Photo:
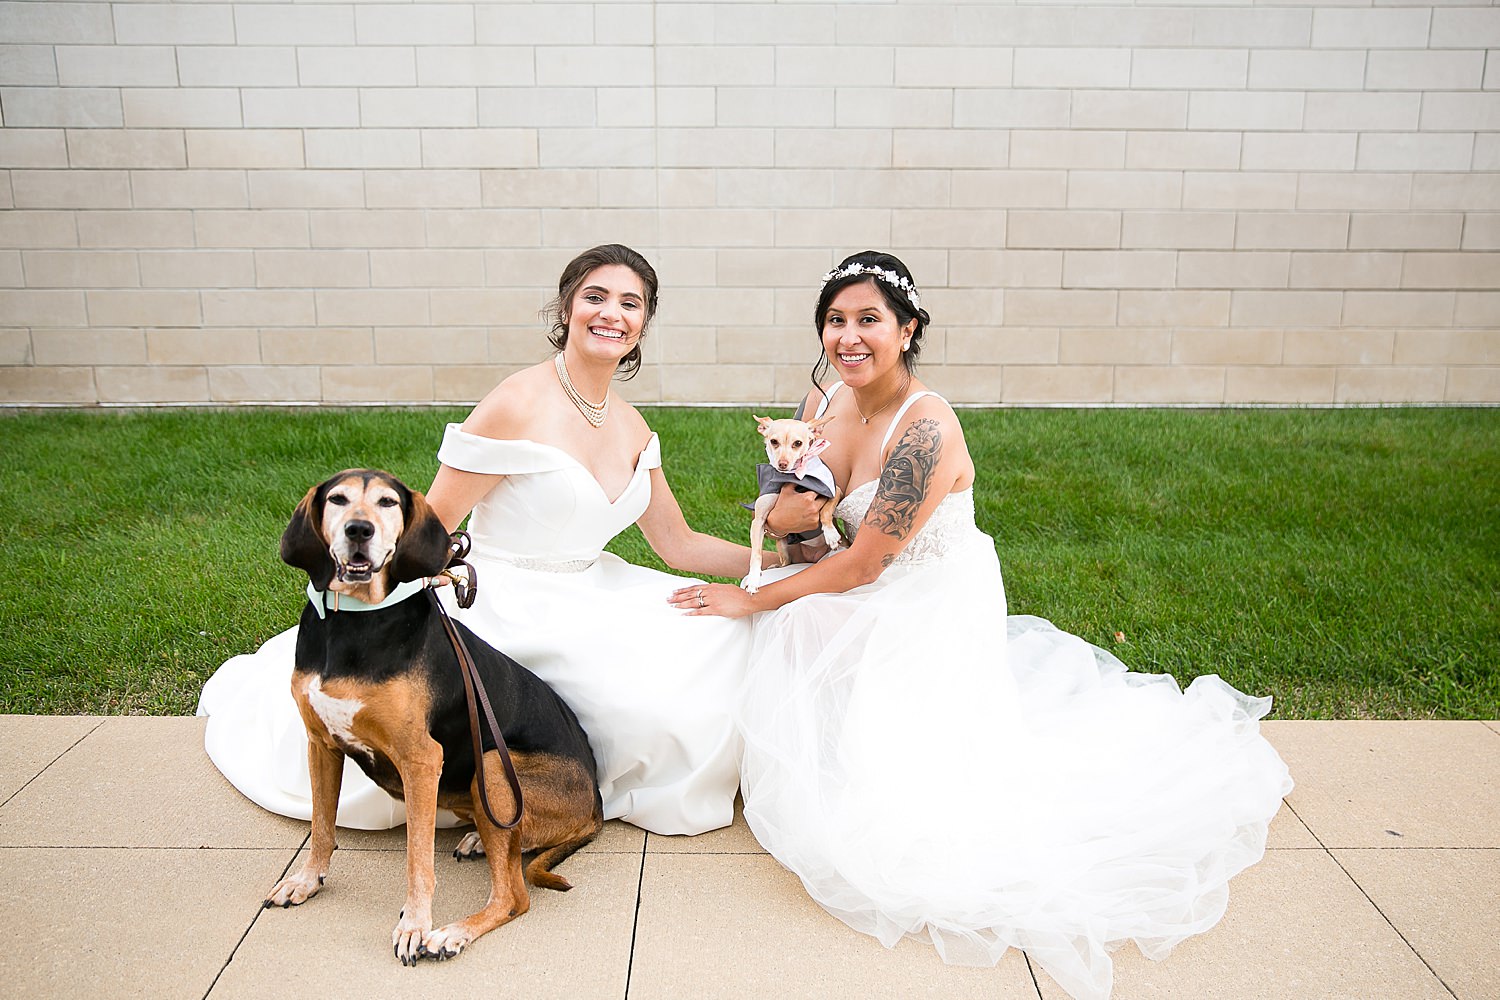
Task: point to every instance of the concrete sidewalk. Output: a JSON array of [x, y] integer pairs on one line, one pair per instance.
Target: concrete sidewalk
[[133, 869]]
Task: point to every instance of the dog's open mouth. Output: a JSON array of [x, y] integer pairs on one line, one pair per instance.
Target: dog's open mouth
[[357, 570]]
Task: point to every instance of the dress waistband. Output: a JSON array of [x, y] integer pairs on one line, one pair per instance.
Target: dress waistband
[[546, 565]]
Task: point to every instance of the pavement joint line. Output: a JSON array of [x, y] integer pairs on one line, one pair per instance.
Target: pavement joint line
[[1034, 984], [635, 920], [251, 926], [49, 764], [1355, 882]]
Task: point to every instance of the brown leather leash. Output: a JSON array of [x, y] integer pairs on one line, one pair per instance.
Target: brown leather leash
[[474, 692]]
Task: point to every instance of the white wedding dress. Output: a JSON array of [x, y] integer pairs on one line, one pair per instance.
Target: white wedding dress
[[653, 688], [930, 767]]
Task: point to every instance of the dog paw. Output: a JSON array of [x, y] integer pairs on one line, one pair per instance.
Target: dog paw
[[294, 890], [406, 939], [445, 942], [469, 847]]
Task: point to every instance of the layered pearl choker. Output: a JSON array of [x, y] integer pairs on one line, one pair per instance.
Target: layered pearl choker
[[594, 413]]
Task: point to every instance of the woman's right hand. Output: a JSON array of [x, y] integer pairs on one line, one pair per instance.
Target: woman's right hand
[[795, 510]]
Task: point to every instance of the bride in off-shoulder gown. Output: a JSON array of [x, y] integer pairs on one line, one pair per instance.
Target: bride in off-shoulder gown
[[652, 688]]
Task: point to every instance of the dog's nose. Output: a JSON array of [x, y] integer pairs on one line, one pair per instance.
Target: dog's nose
[[359, 531]]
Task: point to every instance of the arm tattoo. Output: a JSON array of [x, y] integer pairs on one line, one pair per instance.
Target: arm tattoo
[[905, 478]]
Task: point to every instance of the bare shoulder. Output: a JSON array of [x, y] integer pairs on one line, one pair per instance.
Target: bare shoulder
[[929, 418], [627, 414], [509, 410], [930, 436], [633, 424], [936, 410]]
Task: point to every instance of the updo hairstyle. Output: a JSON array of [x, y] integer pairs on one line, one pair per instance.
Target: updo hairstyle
[[573, 276]]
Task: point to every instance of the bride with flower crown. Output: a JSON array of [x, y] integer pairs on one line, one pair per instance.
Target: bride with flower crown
[[928, 766]]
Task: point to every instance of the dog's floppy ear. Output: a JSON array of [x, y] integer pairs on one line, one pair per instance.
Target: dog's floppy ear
[[761, 423], [821, 422], [303, 544], [422, 549]]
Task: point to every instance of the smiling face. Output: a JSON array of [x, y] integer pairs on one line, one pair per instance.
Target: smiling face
[[607, 312], [862, 336]]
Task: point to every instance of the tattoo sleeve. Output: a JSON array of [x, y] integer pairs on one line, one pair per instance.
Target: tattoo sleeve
[[905, 479]]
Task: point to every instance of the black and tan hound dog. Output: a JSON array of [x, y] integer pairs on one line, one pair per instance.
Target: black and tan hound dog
[[381, 684]]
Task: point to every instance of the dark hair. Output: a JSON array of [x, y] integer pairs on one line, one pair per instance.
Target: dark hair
[[894, 297], [572, 279]]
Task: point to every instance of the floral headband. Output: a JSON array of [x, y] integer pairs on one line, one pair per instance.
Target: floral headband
[[896, 281]]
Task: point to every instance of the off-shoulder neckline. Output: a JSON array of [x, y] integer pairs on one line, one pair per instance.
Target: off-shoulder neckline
[[635, 473]]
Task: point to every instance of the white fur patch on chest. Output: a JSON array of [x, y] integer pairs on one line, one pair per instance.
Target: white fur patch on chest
[[337, 714]]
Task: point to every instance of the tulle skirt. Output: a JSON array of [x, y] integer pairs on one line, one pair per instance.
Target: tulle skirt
[[929, 767]]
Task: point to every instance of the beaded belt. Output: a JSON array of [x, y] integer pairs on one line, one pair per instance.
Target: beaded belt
[[547, 565]]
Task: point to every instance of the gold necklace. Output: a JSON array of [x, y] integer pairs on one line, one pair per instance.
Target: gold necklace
[[594, 413], [898, 394]]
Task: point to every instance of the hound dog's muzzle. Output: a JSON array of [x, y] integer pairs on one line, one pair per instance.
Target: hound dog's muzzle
[[362, 522]]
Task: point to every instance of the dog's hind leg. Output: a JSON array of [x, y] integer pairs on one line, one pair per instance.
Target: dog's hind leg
[[825, 519], [563, 814], [325, 768], [470, 846], [763, 505]]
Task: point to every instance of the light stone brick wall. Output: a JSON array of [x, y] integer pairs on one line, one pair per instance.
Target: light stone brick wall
[[1104, 203]]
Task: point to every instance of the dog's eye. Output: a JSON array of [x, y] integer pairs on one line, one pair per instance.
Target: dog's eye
[[776, 442], [386, 502], [796, 444], [339, 500]]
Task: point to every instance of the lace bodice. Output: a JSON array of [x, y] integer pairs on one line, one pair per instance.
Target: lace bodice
[[950, 528]]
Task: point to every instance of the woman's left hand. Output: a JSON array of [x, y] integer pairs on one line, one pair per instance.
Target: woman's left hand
[[714, 599]]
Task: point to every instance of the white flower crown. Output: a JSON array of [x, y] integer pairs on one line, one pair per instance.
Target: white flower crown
[[896, 281]]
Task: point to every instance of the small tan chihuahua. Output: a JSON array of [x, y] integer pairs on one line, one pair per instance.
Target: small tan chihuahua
[[792, 449]]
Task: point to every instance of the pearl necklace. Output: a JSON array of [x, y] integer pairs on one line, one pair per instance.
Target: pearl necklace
[[594, 413], [883, 406]]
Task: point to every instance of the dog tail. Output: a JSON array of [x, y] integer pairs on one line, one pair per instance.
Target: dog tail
[[539, 872]]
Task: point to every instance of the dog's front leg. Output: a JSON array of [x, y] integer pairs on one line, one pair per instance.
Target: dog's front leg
[[420, 767], [502, 849], [325, 769], [763, 505]]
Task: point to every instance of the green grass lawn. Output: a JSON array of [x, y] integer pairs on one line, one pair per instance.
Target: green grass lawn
[[1345, 561]]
